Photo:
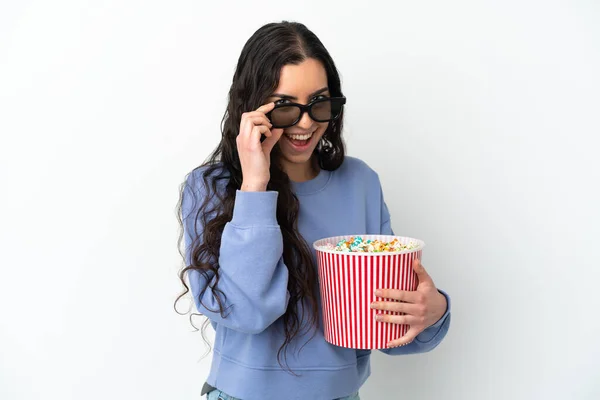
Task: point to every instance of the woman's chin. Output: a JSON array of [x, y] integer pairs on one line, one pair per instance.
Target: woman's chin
[[297, 159]]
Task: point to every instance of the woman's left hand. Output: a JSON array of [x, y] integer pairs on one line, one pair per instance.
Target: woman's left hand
[[422, 308]]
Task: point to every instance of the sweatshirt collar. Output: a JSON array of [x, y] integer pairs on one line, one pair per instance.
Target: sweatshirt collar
[[314, 185]]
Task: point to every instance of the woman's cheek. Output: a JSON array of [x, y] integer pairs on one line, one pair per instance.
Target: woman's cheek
[[322, 128]]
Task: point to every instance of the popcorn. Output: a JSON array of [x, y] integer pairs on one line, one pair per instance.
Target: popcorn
[[357, 244]]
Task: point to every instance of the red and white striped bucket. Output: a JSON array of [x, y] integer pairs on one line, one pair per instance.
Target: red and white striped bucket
[[347, 283]]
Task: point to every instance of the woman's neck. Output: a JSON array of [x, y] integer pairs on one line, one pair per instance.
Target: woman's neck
[[301, 172]]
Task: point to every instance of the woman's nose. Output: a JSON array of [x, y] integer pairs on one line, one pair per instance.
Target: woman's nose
[[305, 122]]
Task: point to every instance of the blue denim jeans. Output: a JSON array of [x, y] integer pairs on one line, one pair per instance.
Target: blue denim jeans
[[218, 395]]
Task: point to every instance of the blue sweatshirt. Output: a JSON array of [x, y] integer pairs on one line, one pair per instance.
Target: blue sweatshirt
[[254, 278]]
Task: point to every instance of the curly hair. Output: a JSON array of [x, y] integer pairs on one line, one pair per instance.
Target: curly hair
[[256, 77]]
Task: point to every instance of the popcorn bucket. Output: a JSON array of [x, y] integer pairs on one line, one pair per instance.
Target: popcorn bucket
[[347, 282]]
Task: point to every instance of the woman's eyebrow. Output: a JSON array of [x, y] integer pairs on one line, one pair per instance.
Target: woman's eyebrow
[[286, 96]]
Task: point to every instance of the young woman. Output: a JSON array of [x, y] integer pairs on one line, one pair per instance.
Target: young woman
[[279, 180]]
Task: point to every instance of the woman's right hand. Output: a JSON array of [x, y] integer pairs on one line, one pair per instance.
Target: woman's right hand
[[255, 157]]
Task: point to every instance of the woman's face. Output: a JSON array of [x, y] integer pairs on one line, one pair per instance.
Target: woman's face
[[301, 83]]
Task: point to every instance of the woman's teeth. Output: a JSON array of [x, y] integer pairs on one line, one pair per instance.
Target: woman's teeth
[[300, 137]]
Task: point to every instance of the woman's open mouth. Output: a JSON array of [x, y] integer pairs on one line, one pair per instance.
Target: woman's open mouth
[[299, 142]]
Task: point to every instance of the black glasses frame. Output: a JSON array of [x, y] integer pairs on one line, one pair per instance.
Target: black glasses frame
[[308, 108]]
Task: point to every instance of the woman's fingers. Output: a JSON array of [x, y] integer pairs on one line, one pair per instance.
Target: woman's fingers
[[395, 306], [401, 295], [414, 313], [253, 119], [406, 339], [270, 141], [257, 118], [261, 119], [265, 108], [398, 319], [246, 126], [254, 159], [257, 131]]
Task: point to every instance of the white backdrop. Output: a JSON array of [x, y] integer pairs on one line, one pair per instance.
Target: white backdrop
[[481, 117]]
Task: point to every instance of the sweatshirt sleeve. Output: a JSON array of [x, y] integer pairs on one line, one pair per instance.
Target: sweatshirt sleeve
[[431, 337], [252, 275]]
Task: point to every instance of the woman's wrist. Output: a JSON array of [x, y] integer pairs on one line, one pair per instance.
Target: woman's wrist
[[253, 187]]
